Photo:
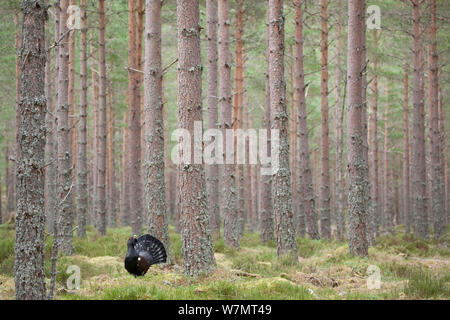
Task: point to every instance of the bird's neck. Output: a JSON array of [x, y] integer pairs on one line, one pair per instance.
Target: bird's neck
[[131, 251]]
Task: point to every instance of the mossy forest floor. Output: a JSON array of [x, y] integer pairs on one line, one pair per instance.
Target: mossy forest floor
[[409, 268]]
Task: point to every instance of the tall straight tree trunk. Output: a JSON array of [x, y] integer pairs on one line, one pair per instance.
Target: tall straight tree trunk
[[82, 191], [155, 190], [444, 152], [65, 186], [437, 186], [50, 147], [124, 185], [249, 173], [237, 109], [134, 125], [325, 224], [212, 170], [418, 147], [13, 172], [281, 185], [339, 136], [29, 277], [299, 217], [101, 166], [406, 165], [111, 173], [197, 250], [230, 215], [373, 149], [95, 154], [358, 244], [369, 215], [306, 189], [265, 210], [387, 202], [71, 100]]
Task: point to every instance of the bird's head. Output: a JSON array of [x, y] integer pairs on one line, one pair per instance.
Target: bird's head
[[132, 241]]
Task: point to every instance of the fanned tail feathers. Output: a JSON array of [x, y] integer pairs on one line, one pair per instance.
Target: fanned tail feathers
[[153, 247]]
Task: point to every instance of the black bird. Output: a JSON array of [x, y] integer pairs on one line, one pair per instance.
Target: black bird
[[142, 253]]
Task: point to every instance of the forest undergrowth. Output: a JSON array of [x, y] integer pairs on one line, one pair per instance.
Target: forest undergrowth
[[409, 268]]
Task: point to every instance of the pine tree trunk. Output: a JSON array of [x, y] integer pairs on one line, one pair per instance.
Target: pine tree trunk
[[325, 225], [406, 165], [71, 102], [364, 62], [212, 170], [50, 147], [65, 186], [124, 185], [111, 173], [237, 110], [229, 185], [266, 210], [12, 201], [134, 125], [155, 190], [438, 212], [339, 136], [356, 198], [373, 150], [418, 147], [387, 202], [95, 98], [299, 219], [197, 250], [444, 152], [101, 165], [249, 172], [306, 189], [281, 185], [82, 191], [29, 276]]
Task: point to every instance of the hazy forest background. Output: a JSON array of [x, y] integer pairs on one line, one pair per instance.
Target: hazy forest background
[[231, 233]]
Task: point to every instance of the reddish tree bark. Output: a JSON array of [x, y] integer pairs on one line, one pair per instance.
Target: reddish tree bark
[[418, 147], [438, 212]]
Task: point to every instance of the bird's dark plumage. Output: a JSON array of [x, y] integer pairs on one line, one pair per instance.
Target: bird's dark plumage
[[142, 253]]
